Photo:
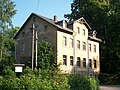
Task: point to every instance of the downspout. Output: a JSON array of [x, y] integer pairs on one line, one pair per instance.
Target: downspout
[[74, 65], [88, 68]]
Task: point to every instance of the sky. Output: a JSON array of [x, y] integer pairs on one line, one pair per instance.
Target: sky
[[47, 8]]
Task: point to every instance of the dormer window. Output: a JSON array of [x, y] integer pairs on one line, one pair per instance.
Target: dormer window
[[94, 33]]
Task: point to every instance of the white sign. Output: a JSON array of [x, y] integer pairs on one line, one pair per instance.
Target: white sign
[[18, 69]]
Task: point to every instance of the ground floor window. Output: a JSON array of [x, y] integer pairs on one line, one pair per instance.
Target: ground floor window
[[95, 64], [71, 60], [90, 63], [64, 59], [78, 62], [84, 62]]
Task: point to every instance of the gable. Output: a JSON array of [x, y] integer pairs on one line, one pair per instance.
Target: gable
[[83, 21]]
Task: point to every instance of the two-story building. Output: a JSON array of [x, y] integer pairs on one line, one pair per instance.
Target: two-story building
[[75, 43]]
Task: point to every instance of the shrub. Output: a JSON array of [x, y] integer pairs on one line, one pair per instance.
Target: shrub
[[40, 79], [78, 82]]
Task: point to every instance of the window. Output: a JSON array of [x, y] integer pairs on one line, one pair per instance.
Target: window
[[22, 47], [64, 41], [71, 42], [83, 32], [90, 63], [78, 44], [23, 34], [95, 65], [94, 48], [78, 62], [89, 47], [71, 60], [84, 62], [84, 46], [64, 60], [78, 29], [46, 27]]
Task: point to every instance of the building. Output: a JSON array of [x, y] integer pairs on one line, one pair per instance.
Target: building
[[75, 43]]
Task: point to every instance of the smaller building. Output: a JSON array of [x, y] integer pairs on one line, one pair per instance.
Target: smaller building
[[75, 43]]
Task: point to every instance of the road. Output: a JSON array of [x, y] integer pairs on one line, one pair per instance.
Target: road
[[110, 87]]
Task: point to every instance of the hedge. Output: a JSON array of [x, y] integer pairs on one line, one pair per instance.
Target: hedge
[[46, 80]]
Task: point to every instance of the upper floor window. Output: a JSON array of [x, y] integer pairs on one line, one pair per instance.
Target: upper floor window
[[84, 46], [78, 62], [22, 47], [71, 60], [78, 44], [64, 41], [78, 30], [94, 48], [64, 60], [83, 32], [89, 47], [95, 64], [71, 42], [84, 62], [23, 34], [46, 27]]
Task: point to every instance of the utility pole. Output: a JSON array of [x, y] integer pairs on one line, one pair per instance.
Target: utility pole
[[36, 44], [33, 33]]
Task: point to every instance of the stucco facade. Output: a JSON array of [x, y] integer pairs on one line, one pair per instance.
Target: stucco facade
[[77, 50]]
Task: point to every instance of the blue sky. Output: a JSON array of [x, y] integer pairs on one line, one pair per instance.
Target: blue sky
[[47, 8]]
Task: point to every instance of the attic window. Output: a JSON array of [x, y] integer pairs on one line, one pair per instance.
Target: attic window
[[34, 19], [78, 29], [94, 33], [23, 34], [83, 32], [45, 27]]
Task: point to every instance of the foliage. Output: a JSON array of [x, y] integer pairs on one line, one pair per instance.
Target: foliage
[[7, 12], [8, 49], [46, 56], [40, 79], [78, 82], [7, 44]]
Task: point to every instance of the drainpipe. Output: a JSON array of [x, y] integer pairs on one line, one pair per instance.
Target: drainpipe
[[74, 65], [88, 71]]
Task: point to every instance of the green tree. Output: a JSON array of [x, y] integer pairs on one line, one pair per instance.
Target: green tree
[[8, 48], [7, 12], [46, 56]]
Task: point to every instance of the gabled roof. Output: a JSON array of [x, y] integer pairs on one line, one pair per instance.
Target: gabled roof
[[82, 20], [46, 19]]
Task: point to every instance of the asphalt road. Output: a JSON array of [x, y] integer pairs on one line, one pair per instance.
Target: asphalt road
[[110, 87]]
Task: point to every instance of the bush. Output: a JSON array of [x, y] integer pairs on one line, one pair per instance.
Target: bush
[[78, 82], [40, 79]]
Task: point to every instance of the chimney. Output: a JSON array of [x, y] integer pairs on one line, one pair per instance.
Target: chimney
[[55, 18]]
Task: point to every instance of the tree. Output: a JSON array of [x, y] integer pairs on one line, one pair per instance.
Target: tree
[[103, 16], [9, 48], [7, 12], [46, 56]]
